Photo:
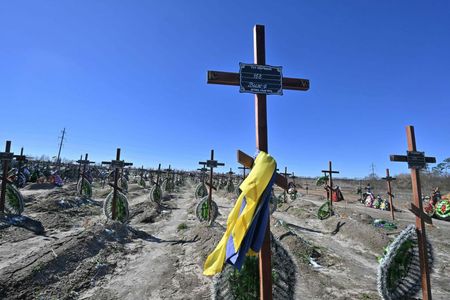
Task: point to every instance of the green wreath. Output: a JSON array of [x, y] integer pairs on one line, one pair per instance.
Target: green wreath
[[443, 209], [14, 203], [324, 211], [399, 274], [122, 212], [156, 193], [84, 188]]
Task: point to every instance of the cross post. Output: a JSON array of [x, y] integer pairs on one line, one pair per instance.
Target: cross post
[[416, 161], [227, 78], [117, 165], [388, 179], [6, 158], [211, 164]]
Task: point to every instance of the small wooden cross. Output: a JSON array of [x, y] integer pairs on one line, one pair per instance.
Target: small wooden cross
[[158, 172], [141, 172], [230, 174], [202, 173], [211, 164], [227, 78], [388, 179], [21, 159], [417, 161], [243, 170], [286, 175], [117, 165], [83, 162], [79, 167], [330, 181], [6, 157], [293, 177]]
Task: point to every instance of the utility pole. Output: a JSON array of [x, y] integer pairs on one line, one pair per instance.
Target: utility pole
[[372, 175], [60, 146]]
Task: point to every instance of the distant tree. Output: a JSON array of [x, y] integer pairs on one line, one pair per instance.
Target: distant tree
[[44, 157], [442, 167]]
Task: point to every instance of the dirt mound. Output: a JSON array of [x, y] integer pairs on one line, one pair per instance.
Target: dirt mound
[[70, 265]]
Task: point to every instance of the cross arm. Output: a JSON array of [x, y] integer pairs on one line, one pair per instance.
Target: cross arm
[[211, 186], [85, 162], [247, 161], [327, 171], [420, 214], [231, 78]]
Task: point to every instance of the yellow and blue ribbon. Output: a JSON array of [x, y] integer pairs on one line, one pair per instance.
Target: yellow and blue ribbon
[[247, 221]]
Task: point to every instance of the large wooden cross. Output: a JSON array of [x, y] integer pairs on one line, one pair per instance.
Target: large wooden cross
[[211, 164], [117, 165], [417, 161], [330, 182], [388, 179], [227, 78]]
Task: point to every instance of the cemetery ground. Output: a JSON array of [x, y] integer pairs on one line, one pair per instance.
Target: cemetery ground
[[66, 249]]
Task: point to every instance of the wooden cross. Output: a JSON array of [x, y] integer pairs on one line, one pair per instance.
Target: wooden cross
[[202, 173], [6, 157], [293, 177], [286, 175], [79, 167], [83, 162], [141, 172], [158, 172], [330, 181], [417, 161], [170, 172], [230, 174], [117, 165], [228, 78], [20, 159], [243, 170], [211, 164], [388, 179]]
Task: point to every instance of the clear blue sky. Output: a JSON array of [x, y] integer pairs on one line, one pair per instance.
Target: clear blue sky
[[132, 74]]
